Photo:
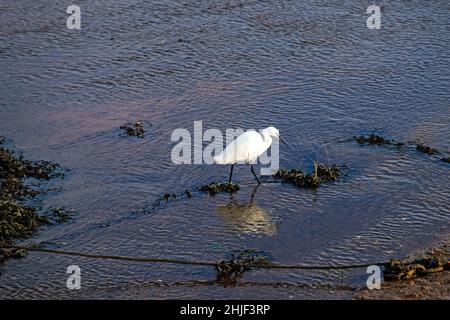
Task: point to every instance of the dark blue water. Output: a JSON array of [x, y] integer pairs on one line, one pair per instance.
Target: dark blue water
[[310, 68]]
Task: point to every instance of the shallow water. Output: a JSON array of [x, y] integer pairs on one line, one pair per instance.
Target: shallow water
[[311, 68]]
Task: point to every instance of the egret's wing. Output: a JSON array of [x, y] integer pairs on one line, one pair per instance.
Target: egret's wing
[[242, 149]]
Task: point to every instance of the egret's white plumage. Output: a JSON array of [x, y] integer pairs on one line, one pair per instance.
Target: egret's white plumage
[[247, 148]]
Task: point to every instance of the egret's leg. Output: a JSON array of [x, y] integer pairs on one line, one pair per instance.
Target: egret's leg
[[253, 171], [253, 194], [231, 172]]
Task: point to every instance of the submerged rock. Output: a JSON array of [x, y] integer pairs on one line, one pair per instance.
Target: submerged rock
[[446, 159], [216, 187]]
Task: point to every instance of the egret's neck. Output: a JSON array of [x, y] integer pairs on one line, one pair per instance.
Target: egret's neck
[[267, 138]]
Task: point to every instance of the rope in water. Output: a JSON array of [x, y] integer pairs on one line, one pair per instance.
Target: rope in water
[[187, 262]]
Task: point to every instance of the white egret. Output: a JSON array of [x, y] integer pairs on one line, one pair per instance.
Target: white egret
[[247, 148]]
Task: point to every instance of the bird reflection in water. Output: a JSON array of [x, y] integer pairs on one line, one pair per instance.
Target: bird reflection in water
[[248, 218]]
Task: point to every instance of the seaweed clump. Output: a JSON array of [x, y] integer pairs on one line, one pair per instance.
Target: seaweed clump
[[228, 271], [216, 187], [426, 149], [167, 196], [133, 129], [61, 215], [377, 140], [9, 253], [19, 218], [322, 173], [397, 270]]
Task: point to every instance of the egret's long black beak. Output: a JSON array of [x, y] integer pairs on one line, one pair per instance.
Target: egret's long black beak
[[281, 139]]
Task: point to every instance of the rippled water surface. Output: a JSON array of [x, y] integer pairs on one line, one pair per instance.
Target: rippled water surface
[[310, 68]]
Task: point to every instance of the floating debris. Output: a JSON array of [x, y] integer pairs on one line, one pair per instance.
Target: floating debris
[[216, 187], [228, 271], [376, 139], [426, 149], [397, 270], [19, 218], [322, 173], [133, 129]]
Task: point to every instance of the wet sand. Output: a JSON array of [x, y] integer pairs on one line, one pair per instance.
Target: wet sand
[[435, 286]]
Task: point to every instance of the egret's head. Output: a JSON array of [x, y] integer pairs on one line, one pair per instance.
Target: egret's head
[[274, 133]]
